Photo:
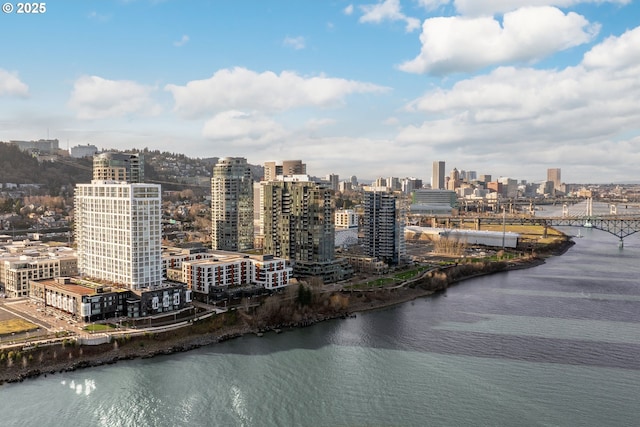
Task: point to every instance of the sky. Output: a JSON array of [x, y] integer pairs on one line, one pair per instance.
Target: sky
[[371, 88]]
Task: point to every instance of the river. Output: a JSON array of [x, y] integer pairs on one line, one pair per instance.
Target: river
[[554, 345]]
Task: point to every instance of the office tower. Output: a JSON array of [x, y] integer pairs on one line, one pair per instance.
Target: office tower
[[454, 180], [232, 205], [509, 186], [354, 181], [553, 175], [299, 225], [409, 185], [288, 167], [383, 227], [437, 176], [334, 181], [118, 167], [485, 178], [118, 233]]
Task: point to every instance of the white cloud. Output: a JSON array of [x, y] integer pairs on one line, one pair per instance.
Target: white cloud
[[491, 7], [242, 89], [348, 10], [183, 40], [458, 44], [388, 10], [433, 4], [615, 52], [316, 124], [296, 43], [94, 98], [574, 112], [10, 85], [242, 128]]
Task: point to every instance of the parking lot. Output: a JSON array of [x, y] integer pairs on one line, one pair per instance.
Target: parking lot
[[47, 322]]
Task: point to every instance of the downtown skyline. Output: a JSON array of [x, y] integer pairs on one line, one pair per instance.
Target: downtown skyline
[[353, 88]]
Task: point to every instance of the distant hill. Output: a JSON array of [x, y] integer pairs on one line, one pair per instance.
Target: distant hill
[[22, 168], [174, 171]]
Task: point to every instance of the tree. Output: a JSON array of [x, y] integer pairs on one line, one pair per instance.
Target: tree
[[304, 295]]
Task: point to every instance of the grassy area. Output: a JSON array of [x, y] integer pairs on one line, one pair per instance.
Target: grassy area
[[383, 281], [16, 326], [406, 275], [98, 327]]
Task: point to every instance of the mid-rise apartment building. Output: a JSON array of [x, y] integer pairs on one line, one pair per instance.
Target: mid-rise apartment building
[[228, 270], [26, 260], [346, 218], [15, 273]]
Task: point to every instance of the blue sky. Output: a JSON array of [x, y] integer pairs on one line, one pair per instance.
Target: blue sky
[[502, 87]]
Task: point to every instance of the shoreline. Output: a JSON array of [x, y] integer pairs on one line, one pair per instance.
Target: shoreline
[[44, 361]]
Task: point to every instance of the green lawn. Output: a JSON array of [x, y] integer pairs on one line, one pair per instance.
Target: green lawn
[[406, 275], [98, 327], [383, 281]]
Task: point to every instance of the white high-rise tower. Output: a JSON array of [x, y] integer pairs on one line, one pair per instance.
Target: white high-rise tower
[[118, 232]]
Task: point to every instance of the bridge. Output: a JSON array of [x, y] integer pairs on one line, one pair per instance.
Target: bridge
[[605, 218]]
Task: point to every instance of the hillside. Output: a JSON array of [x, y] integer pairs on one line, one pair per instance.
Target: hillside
[[174, 171], [21, 168]]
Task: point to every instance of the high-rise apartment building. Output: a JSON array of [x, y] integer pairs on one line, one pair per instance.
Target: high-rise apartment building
[[380, 182], [288, 167], [299, 221], [383, 227], [126, 167], [232, 205], [299, 226], [118, 233], [437, 176]]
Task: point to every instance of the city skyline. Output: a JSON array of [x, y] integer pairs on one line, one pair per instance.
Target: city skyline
[[353, 88]]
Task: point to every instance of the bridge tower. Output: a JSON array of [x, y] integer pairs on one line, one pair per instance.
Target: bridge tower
[[613, 209], [565, 210]]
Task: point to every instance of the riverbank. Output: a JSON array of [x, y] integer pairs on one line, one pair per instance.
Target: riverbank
[[273, 315]]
